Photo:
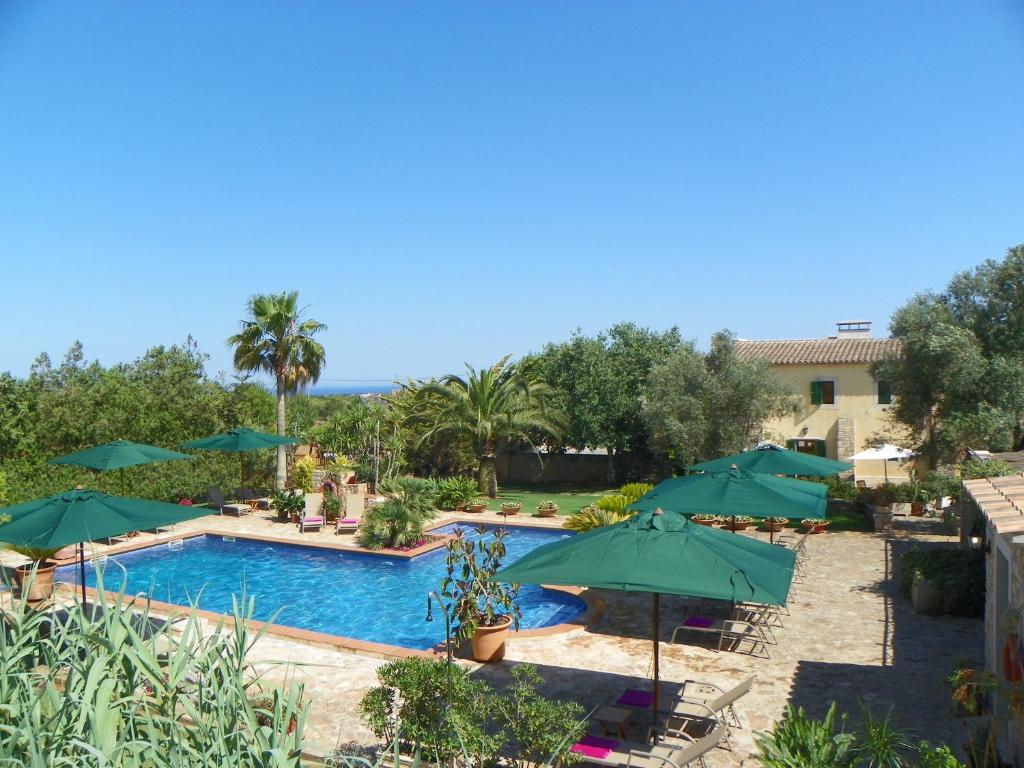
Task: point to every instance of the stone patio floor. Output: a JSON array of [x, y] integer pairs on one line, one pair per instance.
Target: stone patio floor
[[850, 637]]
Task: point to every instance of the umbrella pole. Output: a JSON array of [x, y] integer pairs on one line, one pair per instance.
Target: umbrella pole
[[81, 569], [734, 523], [656, 620]]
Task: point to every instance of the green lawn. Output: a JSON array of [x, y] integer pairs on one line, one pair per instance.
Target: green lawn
[[569, 498], [848, 520]]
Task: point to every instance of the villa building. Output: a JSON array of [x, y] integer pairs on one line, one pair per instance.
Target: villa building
[[840, 404]]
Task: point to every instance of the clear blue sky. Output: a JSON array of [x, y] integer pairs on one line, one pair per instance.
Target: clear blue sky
[[452, 182]]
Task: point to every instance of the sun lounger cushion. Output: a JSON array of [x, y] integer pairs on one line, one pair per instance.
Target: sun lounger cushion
[[632, 697], [348, 521], [594, 746], [702, 622], [312, 520]]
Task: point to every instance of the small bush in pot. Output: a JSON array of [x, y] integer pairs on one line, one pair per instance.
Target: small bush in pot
[[477, 505], [814, 524], [455, 492], [708, 520], [547, 509], [510, 507], [480, 605], [288, 504], [739, 521]]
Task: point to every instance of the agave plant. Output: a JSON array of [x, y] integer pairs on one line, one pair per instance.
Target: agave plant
[[802, 742], [591, 517]]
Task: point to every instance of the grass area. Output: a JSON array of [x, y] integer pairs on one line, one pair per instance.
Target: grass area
[[848, 520], [569, 498]]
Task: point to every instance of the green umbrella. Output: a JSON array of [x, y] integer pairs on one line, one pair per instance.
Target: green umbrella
[[662, 552], [736, 492], [74, 517], [239, 440], [118, 455], [776, 461]]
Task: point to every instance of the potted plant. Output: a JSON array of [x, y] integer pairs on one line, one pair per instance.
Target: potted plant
[[331, 508], [510, 507], [35, 578], [739, 522], [814, 525], [547, 509], [970, 688], [707, 520], [775, 524], [477, 505], [483, 608], [288, 505]]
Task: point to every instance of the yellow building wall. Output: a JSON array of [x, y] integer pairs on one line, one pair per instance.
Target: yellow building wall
[[856, 398]]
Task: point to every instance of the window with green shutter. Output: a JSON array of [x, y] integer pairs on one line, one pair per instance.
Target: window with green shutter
[[884, 393], [815, 393], [823, 393]]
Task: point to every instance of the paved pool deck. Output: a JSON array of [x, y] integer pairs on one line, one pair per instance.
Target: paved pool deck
[[850, 637]]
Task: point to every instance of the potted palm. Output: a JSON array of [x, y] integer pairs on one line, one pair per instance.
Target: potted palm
[[510, 507], [484, 609], [35, 578], [547, 509]]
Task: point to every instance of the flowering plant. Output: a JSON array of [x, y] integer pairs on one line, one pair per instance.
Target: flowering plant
[[185, 502]]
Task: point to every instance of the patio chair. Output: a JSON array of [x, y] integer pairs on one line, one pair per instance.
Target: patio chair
[[351, 512], [666, 754], [314, 523], [216, 499], [732, 633], [699, 702]]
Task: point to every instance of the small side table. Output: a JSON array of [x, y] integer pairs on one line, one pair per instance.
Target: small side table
[[613, 719]]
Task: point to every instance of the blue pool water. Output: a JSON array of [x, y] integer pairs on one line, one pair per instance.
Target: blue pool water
[[367, 597]]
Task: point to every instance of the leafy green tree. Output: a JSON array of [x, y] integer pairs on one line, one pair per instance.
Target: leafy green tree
[[936, 378], [278, 340], [702, 406], [600, 382], [498, 403]]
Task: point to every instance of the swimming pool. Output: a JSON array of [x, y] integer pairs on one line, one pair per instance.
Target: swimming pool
[[352, 594]]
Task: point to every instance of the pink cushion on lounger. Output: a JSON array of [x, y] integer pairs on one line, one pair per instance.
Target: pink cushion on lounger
[[698, 621], [594, 746], [633, 697], [348, 521], [312, 519]]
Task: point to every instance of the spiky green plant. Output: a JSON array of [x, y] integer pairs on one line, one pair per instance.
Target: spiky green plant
[[635, 490], [615, 502], [389, 526], [800, 741], [118, 688], [881, 744], [591, 517]]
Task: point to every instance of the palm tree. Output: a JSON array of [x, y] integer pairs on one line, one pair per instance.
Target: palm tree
[[278, 340], [491, 404]]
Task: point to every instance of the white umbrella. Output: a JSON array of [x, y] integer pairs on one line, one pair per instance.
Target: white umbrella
[[885, 452]]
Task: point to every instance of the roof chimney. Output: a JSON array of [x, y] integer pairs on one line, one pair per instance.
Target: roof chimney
[[853, 329]]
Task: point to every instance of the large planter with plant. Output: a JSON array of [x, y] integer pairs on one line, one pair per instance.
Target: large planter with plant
[[775, 524], [547, 509], [706, 520], [814, 525], [483, 609], [476, 506], [35, 579], [737, 523], [510, 507]]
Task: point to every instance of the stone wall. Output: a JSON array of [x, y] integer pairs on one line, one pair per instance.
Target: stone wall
[[846, 439]]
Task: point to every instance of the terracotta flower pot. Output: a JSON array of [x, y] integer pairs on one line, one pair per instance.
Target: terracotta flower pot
[[489, 642], [41, 587], [509, 510], [708, 523], [476, 508], [917, 508], [546, 511], [773, 526], [728, 526], [816, 527]]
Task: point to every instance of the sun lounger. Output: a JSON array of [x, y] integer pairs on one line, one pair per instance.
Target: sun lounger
[[732, 633], [216, 499], [346, 525], [700, 703], [667, 754], [310, 524]]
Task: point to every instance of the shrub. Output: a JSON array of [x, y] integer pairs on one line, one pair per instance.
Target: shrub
[[476, 599], [635, 490], [302, 473], [331, 507], [802, 742], [90, 689], [929, 756], [415, 493], [591, 517], [974, 469], [454, 492], [547, 506], [390, 525], [614, 503], [938, 484], [959, 574]]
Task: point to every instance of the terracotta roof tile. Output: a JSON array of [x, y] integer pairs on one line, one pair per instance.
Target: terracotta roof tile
[[816, 351]]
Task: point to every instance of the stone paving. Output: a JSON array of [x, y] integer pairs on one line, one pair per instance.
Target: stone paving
[[850, 637]]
